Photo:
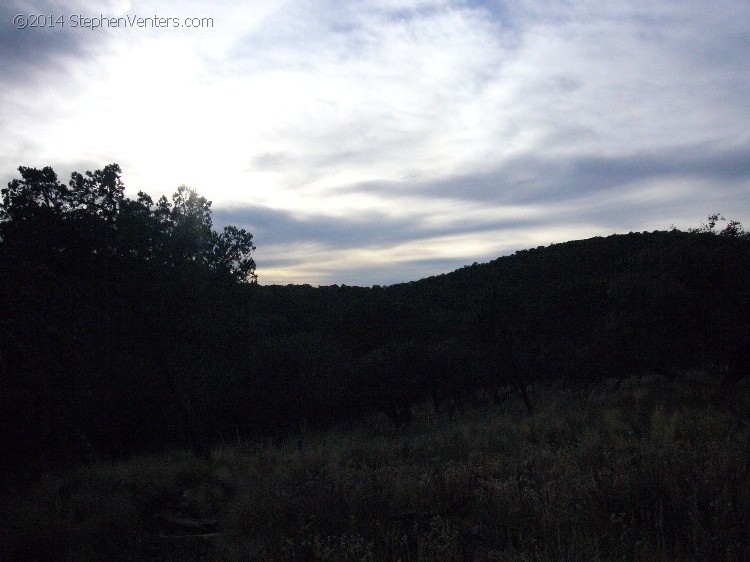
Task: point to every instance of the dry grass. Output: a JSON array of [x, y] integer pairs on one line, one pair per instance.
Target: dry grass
[[656, 470]]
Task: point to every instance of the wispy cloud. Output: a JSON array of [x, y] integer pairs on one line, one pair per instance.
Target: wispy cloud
[[380, 141]]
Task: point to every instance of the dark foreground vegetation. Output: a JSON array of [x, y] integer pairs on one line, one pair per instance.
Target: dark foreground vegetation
[[657, 469], [131, 327]]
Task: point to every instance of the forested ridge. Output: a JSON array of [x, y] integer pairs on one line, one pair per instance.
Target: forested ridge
[[131, 326]]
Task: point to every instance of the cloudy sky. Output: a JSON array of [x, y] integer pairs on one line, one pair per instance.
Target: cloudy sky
[[375, 142]]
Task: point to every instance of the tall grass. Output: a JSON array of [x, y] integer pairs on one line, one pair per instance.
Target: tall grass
[[655, 470]]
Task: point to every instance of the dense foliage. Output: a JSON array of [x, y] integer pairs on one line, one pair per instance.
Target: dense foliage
[[116, 315], [131, 325], [583, 311]]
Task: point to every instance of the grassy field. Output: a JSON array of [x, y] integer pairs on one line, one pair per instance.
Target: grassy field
[[653, 470]]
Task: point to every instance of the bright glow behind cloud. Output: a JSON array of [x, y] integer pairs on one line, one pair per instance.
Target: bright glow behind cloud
[[309, 122]]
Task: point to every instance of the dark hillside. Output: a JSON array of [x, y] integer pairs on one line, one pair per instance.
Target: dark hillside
[[131, 326], [662, 302], [667, 299]]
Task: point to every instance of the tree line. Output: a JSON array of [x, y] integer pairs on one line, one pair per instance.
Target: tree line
[[580, 312], [116, 315], [131, 325]]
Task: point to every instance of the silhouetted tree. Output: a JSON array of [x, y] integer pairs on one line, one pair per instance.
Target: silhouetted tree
[[100, 290], [733, 228]]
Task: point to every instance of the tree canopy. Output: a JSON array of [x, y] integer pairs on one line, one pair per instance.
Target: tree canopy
[[92, 215], [733, 228], [115, 313]]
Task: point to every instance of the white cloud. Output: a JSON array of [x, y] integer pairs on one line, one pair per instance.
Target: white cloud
[[411, 110]]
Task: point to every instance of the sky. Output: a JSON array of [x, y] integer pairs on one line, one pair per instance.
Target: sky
[[377, 142]]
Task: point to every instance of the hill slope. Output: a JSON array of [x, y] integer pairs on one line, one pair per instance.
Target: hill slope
[[668, 302], [114, 368]]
